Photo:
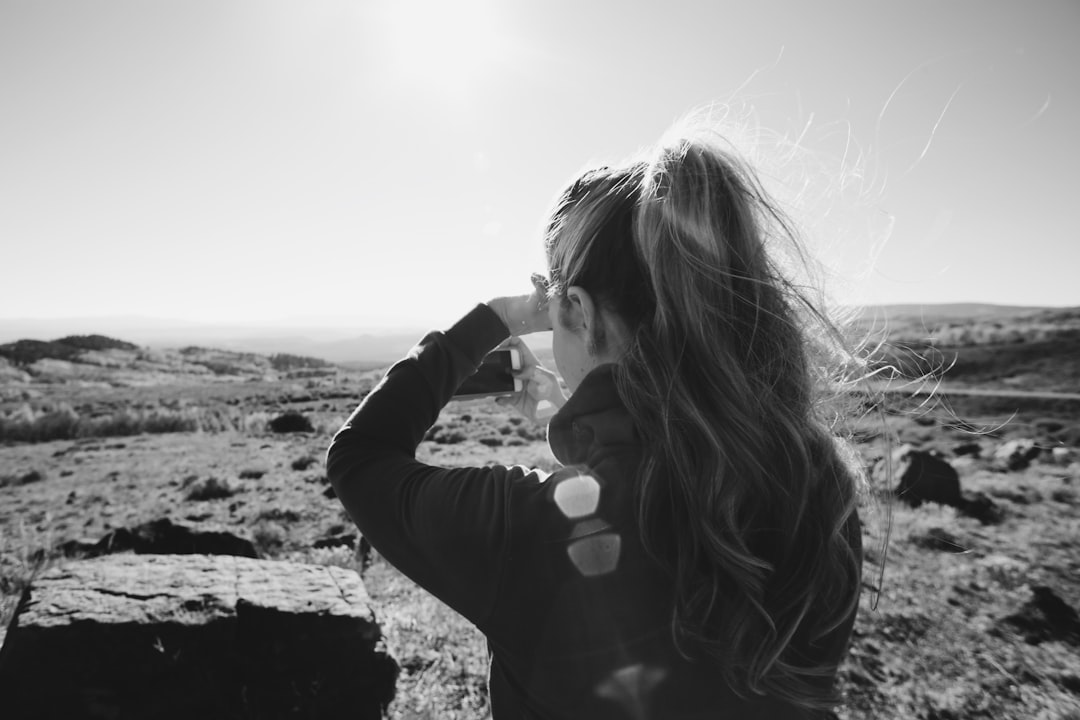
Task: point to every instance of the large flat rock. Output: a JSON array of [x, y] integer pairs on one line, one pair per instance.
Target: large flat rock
[[170, 636]]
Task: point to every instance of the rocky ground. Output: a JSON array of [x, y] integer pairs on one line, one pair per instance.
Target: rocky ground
[[965, 614]]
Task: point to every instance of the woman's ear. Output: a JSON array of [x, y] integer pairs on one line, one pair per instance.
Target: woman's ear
[[581, 312], [584, 315]]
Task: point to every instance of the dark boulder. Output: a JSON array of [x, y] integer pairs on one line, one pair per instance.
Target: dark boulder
[[345, 539], [922, 477], [927, 477], [1046, 617], [973, 449], [164, 537], [1016, 454], [303, 463], [978, 505], [195, 636]]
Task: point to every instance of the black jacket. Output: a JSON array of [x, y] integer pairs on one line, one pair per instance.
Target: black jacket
[[550, 569]]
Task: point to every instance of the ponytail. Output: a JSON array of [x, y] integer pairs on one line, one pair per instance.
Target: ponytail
[[742, 496]]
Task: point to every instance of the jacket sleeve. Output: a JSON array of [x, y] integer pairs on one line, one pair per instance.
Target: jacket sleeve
[[445, 528]]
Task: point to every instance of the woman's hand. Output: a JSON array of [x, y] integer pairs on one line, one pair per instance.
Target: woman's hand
[[524, 314], [540, 395]]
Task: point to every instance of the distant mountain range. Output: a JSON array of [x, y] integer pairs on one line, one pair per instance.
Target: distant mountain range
[[316, 340], [949, 311], [382, 346]]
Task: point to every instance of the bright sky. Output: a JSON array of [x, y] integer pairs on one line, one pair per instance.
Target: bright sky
[[376, 163]]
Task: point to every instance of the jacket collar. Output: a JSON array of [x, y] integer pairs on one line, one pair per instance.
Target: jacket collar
[[594, 418]]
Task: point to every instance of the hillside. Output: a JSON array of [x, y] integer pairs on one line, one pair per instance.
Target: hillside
[[24, 352], [1035, 350], [101, 361]]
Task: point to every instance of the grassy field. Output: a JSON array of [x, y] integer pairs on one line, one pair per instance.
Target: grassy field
[[949, 636]]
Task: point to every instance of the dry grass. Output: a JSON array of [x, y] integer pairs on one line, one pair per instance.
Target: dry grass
[[25, 551]]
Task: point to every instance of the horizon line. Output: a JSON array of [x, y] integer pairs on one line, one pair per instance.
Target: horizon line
[[289, 321]]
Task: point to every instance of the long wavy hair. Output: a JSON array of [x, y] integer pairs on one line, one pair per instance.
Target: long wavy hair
[[745, 495]]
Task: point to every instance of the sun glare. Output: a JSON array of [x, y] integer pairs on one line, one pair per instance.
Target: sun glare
[[442, 45]]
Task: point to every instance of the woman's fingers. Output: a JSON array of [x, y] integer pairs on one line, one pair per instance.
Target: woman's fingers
[[539, 283], [540, 395], [539, 387], [528, 358], [539, 382], [525, 374], [524, 314]]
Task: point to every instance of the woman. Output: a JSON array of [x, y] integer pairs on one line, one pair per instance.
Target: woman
[[698, 554]]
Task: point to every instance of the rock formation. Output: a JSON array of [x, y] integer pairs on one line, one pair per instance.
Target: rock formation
[[923, 477], [927, 477], [1016, 454], [195, 636]]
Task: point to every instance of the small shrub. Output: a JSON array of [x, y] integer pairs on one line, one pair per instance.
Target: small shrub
[[251, 474], [492, 441], [210, 489], [276, 513], [338, 555], [269, 538], [255, 423], [290, 422], [159, 422], [25, 479], [303, 463], [1064, 495]]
